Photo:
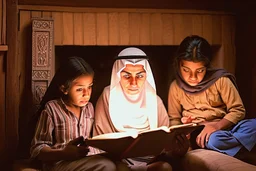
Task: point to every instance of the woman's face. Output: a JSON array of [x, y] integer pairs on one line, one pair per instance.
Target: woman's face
[[132, 78], [80, 91], [192, 72]]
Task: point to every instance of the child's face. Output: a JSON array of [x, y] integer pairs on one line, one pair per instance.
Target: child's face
[[80, 91], [132, 78], [192, 72]]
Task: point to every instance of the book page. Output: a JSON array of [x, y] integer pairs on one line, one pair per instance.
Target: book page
[[116, 135], [166, 129], [162, 128], [182, 125]]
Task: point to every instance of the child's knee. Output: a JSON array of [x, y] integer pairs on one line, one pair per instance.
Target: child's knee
[[214, 140]]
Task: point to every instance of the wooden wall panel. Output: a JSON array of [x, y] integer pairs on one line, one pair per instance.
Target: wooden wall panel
[[216, 30], [46, 14], [25, 62], [178, 34], [197, 25], [36, 14], [58, 27], [124, 28], [225, 57], [68, 29], [228, 44], [102, 28], [187, 25], [131, 28], [12, 82], [156, 29], [89, 26], [134, 28], [78, 29], [113, 29], [145, 29], [168, 29], [207, 28]]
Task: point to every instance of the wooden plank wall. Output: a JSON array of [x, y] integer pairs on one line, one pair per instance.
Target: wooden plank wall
[[128, 28]]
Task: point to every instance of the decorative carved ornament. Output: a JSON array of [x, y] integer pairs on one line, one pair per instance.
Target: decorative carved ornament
[[42, 57]]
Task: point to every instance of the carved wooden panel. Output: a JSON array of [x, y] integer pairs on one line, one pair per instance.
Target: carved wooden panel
[[42, 57]]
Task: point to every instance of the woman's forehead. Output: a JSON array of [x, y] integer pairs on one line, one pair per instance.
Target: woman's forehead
[[133, 68]]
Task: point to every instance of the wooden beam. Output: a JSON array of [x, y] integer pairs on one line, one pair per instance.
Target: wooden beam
[[159, 4], [119, 10]]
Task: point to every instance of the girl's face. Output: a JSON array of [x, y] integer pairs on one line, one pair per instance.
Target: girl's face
[[192, 72], [133, 78], [80, 91]]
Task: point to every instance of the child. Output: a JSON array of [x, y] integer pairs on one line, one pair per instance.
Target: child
[[66, 119], [131, 103], [209, 96]]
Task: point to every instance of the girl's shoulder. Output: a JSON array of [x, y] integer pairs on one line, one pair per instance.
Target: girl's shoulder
[[53, 103], [53, 107], [174, 86], [224, 81]]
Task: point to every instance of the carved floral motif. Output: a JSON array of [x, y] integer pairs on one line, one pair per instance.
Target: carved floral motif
[[39, 91], [42, 45], [42, 57]]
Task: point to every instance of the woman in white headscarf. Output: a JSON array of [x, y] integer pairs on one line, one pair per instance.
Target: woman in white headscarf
[[130, 102]]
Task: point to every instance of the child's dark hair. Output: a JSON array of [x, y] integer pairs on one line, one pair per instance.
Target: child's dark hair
[[69, 70], [195, 49]]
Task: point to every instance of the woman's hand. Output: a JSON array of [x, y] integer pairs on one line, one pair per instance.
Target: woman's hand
[[75, 149]]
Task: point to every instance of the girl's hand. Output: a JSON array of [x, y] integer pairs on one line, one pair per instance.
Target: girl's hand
[[75, 149], [187, 119], [203, 137]]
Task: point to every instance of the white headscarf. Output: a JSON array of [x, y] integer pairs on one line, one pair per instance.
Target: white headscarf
[[132, 112]]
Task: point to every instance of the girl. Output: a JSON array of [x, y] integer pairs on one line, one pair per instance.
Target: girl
[[66, 119], [209, 96]]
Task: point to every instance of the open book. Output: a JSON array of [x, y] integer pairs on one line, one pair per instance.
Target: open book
[[137, 144]]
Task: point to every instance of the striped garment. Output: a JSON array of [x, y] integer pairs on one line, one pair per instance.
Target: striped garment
[[57, 126]]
